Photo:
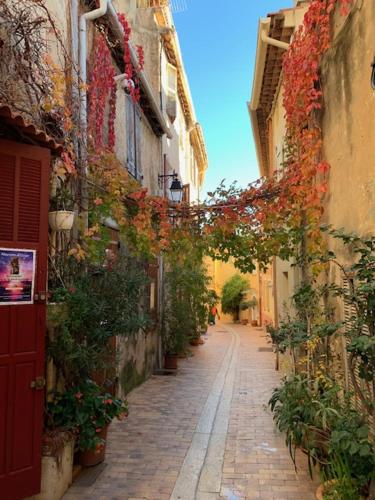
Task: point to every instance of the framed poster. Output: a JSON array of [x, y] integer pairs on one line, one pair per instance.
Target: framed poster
[[17, 276]]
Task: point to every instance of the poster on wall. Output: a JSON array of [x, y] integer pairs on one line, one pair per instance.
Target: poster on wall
[[17, 276]]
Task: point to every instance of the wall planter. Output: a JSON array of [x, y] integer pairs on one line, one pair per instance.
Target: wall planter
[[170, 361], [89, 458], [61, 220], [57, 465]]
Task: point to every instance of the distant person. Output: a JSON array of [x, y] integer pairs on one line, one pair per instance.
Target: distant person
[[212, 315]]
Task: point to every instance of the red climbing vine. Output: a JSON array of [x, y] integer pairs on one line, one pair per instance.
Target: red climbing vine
[[131, 73], [103, 87], [102, 90]]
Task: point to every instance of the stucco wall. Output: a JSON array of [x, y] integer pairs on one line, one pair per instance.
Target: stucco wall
[[348, 125]]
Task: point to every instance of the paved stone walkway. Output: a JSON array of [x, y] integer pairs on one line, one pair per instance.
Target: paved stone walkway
[[203, 434]]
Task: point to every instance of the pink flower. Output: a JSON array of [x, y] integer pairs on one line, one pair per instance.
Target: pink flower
[[98, 429], [98, 201]]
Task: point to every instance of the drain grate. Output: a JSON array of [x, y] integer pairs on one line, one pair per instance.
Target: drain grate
[[265, 349]]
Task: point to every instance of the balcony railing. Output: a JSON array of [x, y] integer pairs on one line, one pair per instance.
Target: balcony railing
[[175, 5]]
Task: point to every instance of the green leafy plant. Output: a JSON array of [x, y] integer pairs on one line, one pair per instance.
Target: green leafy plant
[[306, 415], [103, 303], [187, 295], [351, 446], [232, 295], [86, 410]]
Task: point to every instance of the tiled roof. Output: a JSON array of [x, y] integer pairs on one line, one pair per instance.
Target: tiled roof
[[15, 119]]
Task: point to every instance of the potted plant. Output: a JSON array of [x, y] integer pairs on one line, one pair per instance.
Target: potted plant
[[61, 215], [244, 306], [88, 411], [232, 294]]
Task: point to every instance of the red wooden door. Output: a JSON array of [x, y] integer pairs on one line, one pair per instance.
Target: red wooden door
[[24, 175]]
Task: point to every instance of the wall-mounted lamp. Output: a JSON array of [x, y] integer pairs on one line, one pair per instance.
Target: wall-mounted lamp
[[373, 75], [176, 188]]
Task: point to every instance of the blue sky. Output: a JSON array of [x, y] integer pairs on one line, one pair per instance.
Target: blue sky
[[218, 42]]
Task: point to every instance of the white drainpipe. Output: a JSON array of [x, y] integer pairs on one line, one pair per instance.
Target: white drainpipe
[[274, 42], [88, 16]]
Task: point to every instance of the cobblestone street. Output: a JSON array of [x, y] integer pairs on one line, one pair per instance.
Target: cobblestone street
[[203, 434]]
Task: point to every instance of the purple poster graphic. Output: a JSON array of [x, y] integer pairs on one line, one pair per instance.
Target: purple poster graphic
[[17, 276]]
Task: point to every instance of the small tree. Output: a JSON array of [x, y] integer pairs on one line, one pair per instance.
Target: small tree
[[232, 295]]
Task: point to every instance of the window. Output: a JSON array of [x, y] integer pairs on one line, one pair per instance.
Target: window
[[133, 136], [171, 92]]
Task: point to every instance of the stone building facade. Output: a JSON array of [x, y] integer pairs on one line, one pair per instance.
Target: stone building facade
[[346, 118]]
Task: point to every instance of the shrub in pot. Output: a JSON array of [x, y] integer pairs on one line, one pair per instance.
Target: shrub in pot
[[100, 304], [315, 418], [232, 294], [187, 302], [88, 411]]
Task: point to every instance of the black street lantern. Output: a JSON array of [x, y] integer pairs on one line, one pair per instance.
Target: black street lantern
[[373, 75], [176, 188]]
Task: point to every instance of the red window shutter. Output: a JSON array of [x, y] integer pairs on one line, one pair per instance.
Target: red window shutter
[[29, 200], [7, 183]]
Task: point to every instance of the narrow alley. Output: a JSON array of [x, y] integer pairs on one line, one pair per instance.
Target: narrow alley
[[202, 434]]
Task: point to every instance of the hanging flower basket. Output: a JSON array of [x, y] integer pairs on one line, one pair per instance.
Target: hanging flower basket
[[61, 220]]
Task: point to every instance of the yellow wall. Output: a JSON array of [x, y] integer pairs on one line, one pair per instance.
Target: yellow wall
[[348, 125], [220, 273]]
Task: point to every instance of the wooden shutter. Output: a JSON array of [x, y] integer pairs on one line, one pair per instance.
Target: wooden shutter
[[7, 184], [186, 193], [350, 315], [138, 143], [130, 135]]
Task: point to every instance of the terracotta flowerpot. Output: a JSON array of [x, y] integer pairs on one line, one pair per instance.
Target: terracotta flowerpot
[[89, 458], [254, 322], [170, 361], [61, 220], [245, 322], [200, 341], [194, 342], [322, 489]]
